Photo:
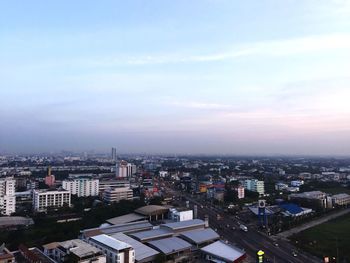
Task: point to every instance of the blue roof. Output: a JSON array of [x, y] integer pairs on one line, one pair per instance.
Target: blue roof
[[292, 208]]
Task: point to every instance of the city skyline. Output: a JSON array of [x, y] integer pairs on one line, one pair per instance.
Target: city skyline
[[214, 77]]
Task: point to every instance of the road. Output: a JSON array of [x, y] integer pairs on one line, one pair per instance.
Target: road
[[251, 241]]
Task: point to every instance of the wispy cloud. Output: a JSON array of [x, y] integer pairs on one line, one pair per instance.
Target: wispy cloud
[[282, 47], [200, 105]]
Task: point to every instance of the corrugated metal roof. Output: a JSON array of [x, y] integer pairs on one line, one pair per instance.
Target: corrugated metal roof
[[170, 245], [152, 234], [141, 250], [124, 228], [200, 236], [184, 224], [221, 250], [111, 242]]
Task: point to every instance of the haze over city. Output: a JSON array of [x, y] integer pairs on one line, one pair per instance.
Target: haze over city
[[214, 77]]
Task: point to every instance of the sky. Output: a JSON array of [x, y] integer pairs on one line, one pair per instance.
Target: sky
[[161, 76]]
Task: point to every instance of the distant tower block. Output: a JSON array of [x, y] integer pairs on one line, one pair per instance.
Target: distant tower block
[[206, 221], [114, 154]]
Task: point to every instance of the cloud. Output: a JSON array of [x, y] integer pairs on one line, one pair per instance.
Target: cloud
[[282, 47], [200, 105]]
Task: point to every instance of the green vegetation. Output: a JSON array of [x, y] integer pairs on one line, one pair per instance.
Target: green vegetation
[[46, 229], [323, 240]]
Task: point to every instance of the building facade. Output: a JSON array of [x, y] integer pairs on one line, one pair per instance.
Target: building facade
[[44, 199], [7, 196], [116, 194], [82, 186], [125, 169], [255, 185]]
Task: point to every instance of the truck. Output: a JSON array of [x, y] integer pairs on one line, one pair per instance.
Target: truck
[[243, 228]]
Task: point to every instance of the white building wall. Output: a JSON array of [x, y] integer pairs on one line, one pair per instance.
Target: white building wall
[[7, 196], [82, 187]]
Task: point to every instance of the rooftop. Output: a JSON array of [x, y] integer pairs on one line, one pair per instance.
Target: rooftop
[[184, 224], [150, 210], [111, 242], [170, 245], [152, 234], [79, 247], [200, 236], [224, 251], [124, 228], [142, 251]]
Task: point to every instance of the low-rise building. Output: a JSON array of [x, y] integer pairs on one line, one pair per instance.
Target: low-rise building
[[115, 250], [313, 199], [341, 199], [74, 250]]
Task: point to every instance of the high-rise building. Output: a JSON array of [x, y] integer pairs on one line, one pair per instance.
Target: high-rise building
[[125, 169], [114, 154], [50, 178], [44, 199], [7, 196], [255, 185], [81, 186]]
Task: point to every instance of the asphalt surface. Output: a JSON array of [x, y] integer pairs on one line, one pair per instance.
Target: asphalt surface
[[252, 240]]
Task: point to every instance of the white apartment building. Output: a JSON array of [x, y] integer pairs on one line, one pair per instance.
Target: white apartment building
[[255, 185], [82, 186], [115, 250], [106, 184], [125, 169], [116, 194], [43, 199], [7, 196]]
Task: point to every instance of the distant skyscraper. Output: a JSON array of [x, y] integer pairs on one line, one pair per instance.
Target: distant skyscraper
[[114, 154]]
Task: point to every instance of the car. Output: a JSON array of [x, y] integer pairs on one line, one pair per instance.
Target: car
[[275, 244], [228, 226], [294, 254], [233, 228]]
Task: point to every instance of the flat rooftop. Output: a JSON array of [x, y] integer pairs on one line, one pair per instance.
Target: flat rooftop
[[79, 248], [110, 242]]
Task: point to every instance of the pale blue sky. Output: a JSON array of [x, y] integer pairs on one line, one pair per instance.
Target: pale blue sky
[[242, 77]]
